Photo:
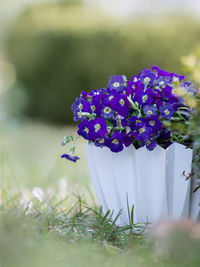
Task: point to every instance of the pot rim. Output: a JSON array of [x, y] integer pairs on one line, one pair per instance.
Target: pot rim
[[143, 148]]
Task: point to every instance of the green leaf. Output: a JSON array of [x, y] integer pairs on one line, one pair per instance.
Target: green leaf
[[68, 138]]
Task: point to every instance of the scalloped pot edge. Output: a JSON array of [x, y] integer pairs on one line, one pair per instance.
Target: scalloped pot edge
[[131, 147]]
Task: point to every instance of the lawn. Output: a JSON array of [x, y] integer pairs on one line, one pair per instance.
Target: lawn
[[50, 216], [30, 157]]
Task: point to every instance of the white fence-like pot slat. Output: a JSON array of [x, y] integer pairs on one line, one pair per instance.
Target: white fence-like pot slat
[[152, 180]]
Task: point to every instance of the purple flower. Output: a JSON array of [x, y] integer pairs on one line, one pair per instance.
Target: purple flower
[[98, 128], [116, 83], [83, 94], [157, 97], [119, 121], [168, 92], [180, 101], [190, 88], [107, 112], [101, 142], [134, 78], [150, 144], [71, 158], [107, 100], [103, 90], [134, 121], [165, 134], [96, 106], [161, 72], [143, 132], [154, 123], [93, 93], [149, 110], [121, 104], [137, 93], [144, 98], [165, 138], [127, 138], [63, 143], [156, 93], [171, 97], [147, 77], [79, 107], [84, 129], [115, 143], [162, 81], [79, 116], [135, 85], [175, 103], [128, 90], [164, 73], [166, 111]]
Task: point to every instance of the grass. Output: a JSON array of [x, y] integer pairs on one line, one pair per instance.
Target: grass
[[50, 235], [30, 157], [50, 216]]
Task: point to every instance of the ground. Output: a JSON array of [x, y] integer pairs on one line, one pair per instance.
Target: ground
[[50, 215]]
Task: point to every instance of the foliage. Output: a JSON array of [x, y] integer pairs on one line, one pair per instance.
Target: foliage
[[77, 223], [191, 64], [60, 49], [49, 235]]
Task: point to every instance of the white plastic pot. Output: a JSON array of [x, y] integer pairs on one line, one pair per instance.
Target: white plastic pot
[[152, 180]]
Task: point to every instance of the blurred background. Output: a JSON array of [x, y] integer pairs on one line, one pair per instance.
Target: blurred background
[[50, 50]]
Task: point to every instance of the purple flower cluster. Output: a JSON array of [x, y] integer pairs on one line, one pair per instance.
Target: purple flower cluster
[[132, 111]]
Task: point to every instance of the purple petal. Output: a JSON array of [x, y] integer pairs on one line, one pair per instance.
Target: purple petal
[[71, 158]]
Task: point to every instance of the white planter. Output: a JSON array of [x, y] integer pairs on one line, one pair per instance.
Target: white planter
[[153, 181]]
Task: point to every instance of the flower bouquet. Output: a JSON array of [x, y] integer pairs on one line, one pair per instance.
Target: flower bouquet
[[137, 153]]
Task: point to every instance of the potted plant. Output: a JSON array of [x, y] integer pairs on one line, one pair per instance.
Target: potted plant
[[137, 153]]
